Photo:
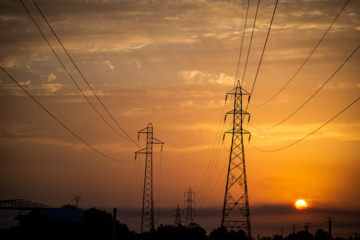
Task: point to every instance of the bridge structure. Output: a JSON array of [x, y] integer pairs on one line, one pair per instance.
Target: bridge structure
[[21, 204]]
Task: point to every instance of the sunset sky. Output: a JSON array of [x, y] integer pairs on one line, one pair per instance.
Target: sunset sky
[[171, 63]]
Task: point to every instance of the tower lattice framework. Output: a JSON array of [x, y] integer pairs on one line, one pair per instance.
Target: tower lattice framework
[[147, 216], [236, 214], [189, 209], [178, 216]]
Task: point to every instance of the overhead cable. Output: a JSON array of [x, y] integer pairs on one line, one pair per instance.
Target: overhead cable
[[67, 71], [213, 157], [302, 65], [252, 34], [262, 54], [62, 124], [242, 41], [292, 144], [311, 95], [81, 74]]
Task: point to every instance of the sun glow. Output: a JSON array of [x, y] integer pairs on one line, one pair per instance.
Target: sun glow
[[300, 204]]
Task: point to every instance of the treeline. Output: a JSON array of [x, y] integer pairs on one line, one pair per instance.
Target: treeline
[[98, 224]]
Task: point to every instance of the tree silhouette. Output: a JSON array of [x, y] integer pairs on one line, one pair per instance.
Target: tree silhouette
[[322, 235], [97, 224], [278, 237], [192, 232], [222, 233]]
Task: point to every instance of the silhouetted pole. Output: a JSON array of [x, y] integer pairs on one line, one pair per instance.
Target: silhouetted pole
[[294, 228], [114, 225], [282, 232], [330, 223]]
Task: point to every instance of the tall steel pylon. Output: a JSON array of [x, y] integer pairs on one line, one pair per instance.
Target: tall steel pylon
[[178, 216], [236, 214], [147, 216], [189, 209]]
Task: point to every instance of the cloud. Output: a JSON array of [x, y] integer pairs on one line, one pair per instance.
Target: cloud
[[51, 88], [192, 127], [284, 209], [341, 85], [136, 63], [10, 63], [16, 130], [137, 112], [27, 83], [51, 77], [199, 77], [291, 133], [98, 93], [191, 149], [274, 210], [205, 105], [186, 104], [109, 65]]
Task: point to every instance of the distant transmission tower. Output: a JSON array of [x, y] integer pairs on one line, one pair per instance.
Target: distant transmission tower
[[147, 218], [178, 216], [77, 200], [189, 209], [236, 214]]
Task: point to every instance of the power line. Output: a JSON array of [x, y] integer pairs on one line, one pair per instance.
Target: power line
[[62, 124], [214, 160], [137, 185], [311, 95], [242, 41], [215, 154], [252, 34], [262, 54], [209, 181], [275, 150], [71, 77], [302, 65], [222, 185], [213, 157], [81, 74]]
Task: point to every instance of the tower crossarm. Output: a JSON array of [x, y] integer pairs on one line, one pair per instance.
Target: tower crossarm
[[156, 141], [236, 111], [141, 151], [236, 91], [242, 131]]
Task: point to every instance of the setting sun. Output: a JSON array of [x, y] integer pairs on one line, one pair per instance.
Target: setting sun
[[300, 204]]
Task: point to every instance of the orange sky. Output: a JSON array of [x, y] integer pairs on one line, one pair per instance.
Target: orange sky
[[171, 63]]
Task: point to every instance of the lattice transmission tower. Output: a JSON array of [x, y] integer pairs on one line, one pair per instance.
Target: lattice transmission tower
[[147, 216], [236, 214], [77, 199], [189, 206], [178, 216]]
